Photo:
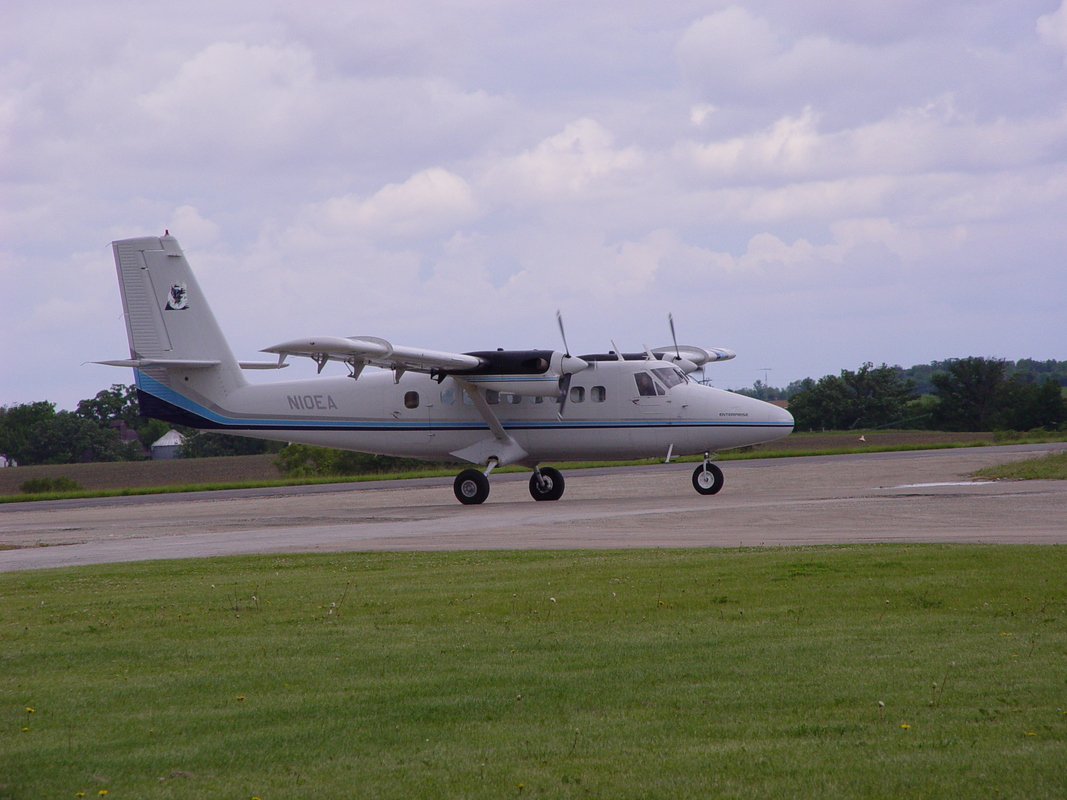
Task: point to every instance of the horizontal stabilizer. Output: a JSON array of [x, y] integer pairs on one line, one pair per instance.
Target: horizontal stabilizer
[[261, 365], [181, 363]]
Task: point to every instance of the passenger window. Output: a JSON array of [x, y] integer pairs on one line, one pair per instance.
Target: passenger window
[[539, 399], [514, 399], [598, 394], [492, 396], [467, 401], [646, 387], [577, 394], [411, 400], [448, 396]]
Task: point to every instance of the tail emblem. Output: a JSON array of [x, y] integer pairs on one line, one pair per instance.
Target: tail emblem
[[179, 299]]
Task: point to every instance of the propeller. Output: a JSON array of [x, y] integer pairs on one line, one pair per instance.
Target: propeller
[[677, 351], [568, 366]]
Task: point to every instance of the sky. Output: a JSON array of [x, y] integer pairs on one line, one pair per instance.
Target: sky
[[813, 184]]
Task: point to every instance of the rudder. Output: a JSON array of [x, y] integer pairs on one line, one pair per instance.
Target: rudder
[[173, 335]]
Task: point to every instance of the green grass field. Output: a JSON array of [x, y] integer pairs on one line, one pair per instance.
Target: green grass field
[[863, 671], [1048, 467]]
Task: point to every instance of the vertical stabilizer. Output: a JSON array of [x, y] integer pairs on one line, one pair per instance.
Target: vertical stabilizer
[[168, 321]]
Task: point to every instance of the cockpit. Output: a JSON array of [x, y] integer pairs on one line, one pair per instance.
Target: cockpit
[[666, 378]]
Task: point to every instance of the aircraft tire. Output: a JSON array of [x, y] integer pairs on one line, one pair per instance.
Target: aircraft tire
[[471, 487], [708, 481], [552, 486]]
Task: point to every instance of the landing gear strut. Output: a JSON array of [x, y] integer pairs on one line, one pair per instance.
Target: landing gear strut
[[546, 484], [707, 478]]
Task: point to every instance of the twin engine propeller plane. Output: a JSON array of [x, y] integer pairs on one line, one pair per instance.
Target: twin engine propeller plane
[[490, 408]]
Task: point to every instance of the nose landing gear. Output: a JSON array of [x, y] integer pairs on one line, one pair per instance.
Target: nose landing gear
[[707, 478], [546, 484]]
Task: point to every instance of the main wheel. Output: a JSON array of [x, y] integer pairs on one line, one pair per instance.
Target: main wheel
[[550, 485], [707, 479], [471, 487]]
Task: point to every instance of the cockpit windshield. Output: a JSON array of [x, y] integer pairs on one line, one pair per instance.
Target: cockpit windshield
[[671, 376]]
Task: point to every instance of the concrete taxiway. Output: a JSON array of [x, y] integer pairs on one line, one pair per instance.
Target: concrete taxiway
[[917, 496]]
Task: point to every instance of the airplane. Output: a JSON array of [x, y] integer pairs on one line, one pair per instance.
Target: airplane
[[490, 408]]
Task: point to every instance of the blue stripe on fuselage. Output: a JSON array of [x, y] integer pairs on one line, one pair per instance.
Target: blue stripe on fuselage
[[219, 420]]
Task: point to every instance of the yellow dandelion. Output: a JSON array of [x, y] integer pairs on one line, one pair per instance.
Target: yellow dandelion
[[102, 792], [79, 794], [240, 697], [30, 710], [905, 726], [1030, 733]]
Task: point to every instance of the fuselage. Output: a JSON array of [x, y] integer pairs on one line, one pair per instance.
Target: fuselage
[[614, 410]]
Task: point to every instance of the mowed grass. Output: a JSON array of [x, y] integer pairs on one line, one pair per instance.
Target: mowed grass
[[1048, 467], [862, 671]]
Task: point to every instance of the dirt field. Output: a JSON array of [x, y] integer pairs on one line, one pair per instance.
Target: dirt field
[[137, 474], [123, 474]]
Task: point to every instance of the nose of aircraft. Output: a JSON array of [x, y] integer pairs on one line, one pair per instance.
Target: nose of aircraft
[[781, 415]]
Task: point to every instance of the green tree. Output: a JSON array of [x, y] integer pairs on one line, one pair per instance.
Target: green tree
[[67, 438], [1026, 406], [869, 397], [970, 393], [205, 444], [16, 422], [117, 403], [303, 460]]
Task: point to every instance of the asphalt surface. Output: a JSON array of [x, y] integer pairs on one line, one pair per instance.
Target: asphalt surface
[[917, 496]]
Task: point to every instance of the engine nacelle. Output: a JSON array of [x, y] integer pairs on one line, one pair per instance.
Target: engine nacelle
[[531, 373]]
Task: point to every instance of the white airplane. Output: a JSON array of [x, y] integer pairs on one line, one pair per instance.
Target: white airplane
[[490, 408]]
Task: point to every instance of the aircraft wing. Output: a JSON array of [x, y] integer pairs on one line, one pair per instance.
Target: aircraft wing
[[361, 351], [698, 355]]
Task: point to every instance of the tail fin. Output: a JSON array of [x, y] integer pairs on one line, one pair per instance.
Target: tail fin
[[174, 338]]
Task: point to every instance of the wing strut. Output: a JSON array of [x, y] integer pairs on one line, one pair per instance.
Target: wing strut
[[500, 448]]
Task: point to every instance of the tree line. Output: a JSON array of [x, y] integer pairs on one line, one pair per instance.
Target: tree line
[[965, 394], [107, 427]]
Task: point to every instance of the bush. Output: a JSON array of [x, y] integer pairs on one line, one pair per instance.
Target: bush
[[43, 485], [306, 461]]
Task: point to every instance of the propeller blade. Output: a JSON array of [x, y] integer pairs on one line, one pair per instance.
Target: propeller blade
[[677, 351], [564, 391], [562, 334]]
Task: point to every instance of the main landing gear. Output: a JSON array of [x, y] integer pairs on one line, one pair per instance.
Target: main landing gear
[[707, 478], [546, 483], [472, 486]]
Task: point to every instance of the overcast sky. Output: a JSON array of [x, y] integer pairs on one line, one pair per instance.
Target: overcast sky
[[813, 184]]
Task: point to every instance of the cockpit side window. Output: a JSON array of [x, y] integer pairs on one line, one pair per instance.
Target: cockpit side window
[[646, 387], [671, 376]]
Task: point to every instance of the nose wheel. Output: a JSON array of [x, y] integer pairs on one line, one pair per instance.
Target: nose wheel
[[707, 478], [546, 484]]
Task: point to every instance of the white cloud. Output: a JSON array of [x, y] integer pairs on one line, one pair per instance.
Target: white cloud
[[1053, 27], [194, 230], [429, 202], [238, 95], [578, 160]]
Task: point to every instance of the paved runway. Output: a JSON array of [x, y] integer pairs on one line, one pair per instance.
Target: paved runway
[[918, 496]]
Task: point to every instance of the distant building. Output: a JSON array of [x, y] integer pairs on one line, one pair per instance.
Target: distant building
[[7, 462], [168, 445]]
